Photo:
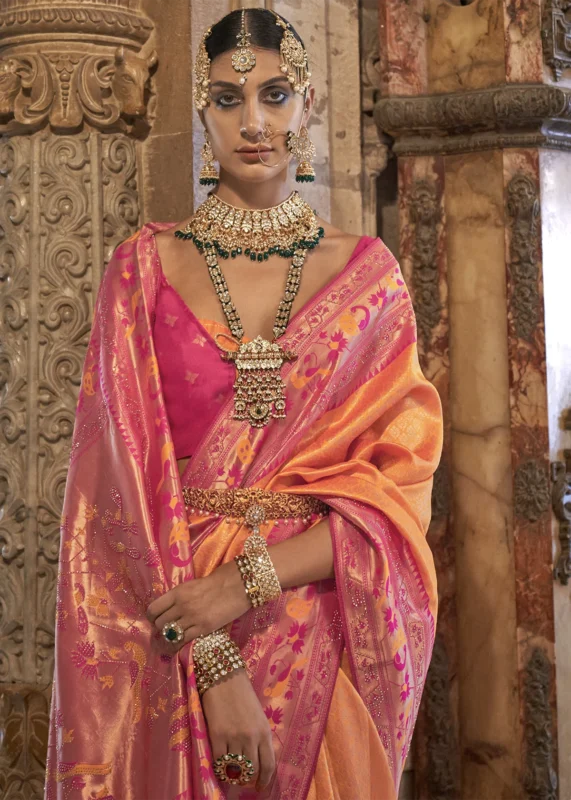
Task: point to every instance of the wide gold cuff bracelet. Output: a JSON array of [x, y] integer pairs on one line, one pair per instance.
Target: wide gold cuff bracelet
[[215, 656]]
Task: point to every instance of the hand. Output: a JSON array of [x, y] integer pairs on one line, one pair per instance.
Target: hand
[[202, 605], [237, 724]]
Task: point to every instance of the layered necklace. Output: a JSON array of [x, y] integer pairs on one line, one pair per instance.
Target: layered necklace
[[221, 231]]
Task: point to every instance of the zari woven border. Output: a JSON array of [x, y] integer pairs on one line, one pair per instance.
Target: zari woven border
[[236, 502]]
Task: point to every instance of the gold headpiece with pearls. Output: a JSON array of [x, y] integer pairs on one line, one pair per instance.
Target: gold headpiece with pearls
[[295, 63], [202, 74]]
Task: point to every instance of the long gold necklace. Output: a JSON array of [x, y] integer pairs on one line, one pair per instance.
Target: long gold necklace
[[289, 230]]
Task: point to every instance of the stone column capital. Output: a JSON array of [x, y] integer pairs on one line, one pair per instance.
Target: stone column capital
[[71, 64], [512, 115]]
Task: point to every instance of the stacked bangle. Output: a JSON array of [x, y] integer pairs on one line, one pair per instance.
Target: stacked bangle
[[215, 655], [258, 573]]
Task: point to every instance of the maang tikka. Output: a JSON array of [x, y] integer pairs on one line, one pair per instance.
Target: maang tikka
[[244, 59]]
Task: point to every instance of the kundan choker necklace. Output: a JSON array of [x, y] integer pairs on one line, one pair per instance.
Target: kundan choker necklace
[[289, 230]]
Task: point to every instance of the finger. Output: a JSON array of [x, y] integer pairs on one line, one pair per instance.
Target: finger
[[160, 605], [218, 746], [170, 615], [190, 633], [249, 749], [267, 759]]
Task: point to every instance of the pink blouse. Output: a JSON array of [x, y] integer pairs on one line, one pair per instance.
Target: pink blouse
[[195, 380]]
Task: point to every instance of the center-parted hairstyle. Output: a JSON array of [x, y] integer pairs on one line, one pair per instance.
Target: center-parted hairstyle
[[266, 30]]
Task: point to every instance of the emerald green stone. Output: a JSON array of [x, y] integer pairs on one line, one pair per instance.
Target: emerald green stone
[[171, 635]]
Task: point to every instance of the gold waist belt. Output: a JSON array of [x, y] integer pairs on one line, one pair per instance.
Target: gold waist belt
[[255, 506]]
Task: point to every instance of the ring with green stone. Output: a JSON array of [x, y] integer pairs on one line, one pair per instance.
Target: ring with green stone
[[173, 633]]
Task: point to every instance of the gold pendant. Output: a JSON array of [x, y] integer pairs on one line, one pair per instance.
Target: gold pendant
[[259, 391]]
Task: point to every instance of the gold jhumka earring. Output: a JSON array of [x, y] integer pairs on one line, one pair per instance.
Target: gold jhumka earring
[[208, 173], [303, 150], [244, 59]]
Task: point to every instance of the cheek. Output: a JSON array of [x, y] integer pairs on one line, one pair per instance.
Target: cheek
[[223, 134]]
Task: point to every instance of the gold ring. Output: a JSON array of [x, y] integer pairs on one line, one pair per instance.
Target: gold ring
[[173, 632], [233, 769]]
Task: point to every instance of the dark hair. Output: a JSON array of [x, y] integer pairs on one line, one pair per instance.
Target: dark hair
[[260, 23]]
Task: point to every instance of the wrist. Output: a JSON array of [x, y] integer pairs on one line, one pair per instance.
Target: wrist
[[233, 587]]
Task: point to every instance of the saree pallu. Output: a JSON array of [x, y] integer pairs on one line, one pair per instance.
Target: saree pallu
[[363, 433]]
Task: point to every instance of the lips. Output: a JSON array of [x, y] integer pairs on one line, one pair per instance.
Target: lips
[[255, 150]]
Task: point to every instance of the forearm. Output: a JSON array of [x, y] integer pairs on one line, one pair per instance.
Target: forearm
[[304, 558], [300, 560]]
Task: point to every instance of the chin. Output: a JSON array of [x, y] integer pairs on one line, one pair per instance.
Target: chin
[[256, 173]]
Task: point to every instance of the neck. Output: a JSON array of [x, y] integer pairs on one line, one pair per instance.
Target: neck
[[254, 195]]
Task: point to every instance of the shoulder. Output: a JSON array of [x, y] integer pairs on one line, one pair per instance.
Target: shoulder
[[336, 238], [339, 246]]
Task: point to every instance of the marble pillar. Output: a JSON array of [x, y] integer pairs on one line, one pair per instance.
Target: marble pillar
[[74, 93], [477, 100]]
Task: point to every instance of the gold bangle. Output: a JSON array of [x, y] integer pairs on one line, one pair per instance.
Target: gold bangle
[[260, 579], [215, 656]]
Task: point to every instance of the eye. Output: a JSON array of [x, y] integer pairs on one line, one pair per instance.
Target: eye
[[226, 101], [276, 96]]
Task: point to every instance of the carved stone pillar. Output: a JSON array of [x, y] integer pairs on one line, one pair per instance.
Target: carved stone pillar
[[74, 92], [477, 99]]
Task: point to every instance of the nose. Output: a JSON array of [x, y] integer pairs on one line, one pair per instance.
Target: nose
[[252, 121]]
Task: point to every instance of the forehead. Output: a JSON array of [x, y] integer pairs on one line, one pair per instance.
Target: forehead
[[267, 66]]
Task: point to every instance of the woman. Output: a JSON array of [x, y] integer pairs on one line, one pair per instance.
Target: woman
[[246, 600]]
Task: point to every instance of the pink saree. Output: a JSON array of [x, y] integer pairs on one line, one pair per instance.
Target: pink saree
[[363, 432]]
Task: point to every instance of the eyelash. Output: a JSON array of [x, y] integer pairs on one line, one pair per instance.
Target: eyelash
[[281, 101]]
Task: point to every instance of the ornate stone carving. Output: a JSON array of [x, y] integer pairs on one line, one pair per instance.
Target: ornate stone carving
[[523, 212], [540, 779], [425, 214], [97, 73], [15, 157], [65, 202], [98, 20], [23, 742], [516, 115], [556, 33], [45, 313], [375, 147], [561, 504], [442, 774], [532, 492]]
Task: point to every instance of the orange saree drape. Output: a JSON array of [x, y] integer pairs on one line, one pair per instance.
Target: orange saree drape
[[363, 432]]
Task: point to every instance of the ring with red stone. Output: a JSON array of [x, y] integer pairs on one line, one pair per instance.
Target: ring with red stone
[[231, 768]]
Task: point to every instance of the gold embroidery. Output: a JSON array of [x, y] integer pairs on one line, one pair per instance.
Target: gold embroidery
[[83, 769], [236, 502]]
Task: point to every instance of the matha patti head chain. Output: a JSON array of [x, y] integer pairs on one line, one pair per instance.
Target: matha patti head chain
[[294, 65]]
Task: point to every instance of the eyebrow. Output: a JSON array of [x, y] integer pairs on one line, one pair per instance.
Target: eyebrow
[[230, 85]]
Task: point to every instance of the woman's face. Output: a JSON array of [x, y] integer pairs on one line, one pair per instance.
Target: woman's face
[[239, 116]]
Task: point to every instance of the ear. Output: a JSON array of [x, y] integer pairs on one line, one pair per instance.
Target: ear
[[309, 102]]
